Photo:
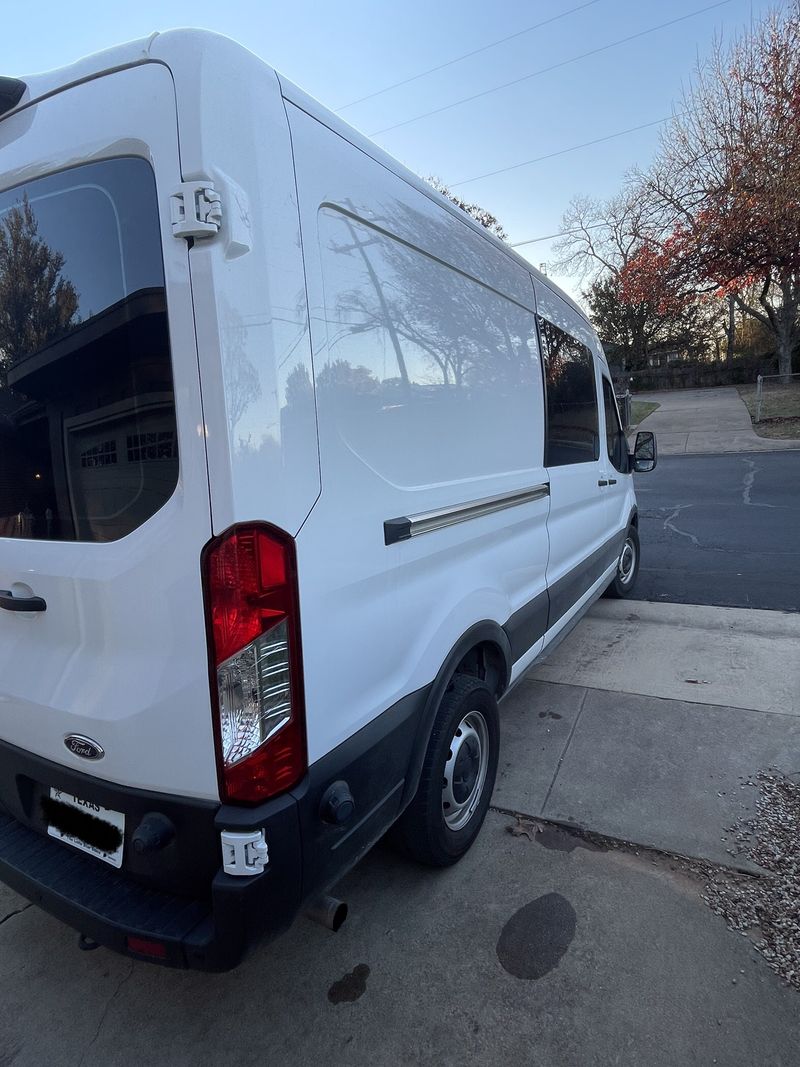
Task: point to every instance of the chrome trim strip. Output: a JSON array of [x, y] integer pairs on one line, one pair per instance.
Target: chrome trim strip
[[407, 526]]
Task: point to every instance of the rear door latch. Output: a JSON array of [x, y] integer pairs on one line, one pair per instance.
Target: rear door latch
[[195, 210], [244, 854]]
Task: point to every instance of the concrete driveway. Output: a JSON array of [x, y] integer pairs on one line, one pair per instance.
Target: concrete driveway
[[538, 952], [700, 421]]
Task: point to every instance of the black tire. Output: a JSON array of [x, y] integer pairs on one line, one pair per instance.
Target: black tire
[[625, 578], [423, 832]]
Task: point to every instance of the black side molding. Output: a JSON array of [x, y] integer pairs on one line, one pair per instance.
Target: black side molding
[[395, 530], [11, 91]]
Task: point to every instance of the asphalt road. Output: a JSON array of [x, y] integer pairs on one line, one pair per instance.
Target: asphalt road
[[722, 530]]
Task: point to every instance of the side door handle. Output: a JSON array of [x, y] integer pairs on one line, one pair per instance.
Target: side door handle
[[602, 482], [21, 603]]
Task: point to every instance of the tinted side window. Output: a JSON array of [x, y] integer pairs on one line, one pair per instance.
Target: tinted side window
[[572, 419], [615, 439], [88, 442]]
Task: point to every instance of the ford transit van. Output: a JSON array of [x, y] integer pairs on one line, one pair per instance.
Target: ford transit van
[[300, 470]]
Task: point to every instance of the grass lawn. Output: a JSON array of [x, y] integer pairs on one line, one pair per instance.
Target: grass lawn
[[780, 409], [640, 409]]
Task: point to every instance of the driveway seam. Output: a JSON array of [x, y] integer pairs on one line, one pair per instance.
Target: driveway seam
[[566, 747], [648, 696]]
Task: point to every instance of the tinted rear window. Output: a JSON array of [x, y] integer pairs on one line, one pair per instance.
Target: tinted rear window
[[88, 442]]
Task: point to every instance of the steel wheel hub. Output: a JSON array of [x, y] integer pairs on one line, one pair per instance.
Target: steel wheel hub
[[465, 770], [627, 562]]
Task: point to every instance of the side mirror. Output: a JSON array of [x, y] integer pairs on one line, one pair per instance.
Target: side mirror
[[645, 454]]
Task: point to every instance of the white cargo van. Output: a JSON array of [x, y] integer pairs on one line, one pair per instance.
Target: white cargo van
[[300, 470]]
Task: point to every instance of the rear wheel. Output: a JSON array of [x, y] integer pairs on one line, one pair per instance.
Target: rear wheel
[[627, 567], [458, 775]]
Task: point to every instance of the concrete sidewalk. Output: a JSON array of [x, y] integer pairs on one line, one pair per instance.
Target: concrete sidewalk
[[643, 724], [734, 657], [664, 774], [700, 421]]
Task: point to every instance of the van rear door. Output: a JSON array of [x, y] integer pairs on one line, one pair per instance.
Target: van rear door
[[104, 503]]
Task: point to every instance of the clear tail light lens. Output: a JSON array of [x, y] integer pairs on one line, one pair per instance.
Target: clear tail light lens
[[254, 639]]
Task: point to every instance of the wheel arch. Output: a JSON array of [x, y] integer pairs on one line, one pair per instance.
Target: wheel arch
[[484, 646]]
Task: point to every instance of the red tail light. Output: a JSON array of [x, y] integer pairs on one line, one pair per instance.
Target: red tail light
[[143, 947], [254, 645]]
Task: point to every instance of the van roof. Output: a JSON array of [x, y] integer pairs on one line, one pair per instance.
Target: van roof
[[161, 47]]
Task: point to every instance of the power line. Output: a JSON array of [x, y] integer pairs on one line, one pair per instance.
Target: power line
[[553, 66], [466, 55], [560, 152], [552, 236]]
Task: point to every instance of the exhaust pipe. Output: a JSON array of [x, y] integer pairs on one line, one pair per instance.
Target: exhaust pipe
[[327, 911]]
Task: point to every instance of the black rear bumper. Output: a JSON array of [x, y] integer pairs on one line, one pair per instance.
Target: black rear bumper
[[178, 896], [93, 898]]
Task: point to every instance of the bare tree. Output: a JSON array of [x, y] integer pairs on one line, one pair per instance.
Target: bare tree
[[601, 236]]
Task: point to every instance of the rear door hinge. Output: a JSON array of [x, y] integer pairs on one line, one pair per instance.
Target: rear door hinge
[[195, 210], [244, 853]]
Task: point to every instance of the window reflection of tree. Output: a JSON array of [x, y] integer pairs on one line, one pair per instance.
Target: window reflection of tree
[[242, 383], [73, 386], [573, 427], [467, 335], [37, 304]]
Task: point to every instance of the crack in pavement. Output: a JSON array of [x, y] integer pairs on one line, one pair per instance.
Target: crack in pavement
[[749, 478], [110, 1001], [682, 533], [566, 747], [11, 914]]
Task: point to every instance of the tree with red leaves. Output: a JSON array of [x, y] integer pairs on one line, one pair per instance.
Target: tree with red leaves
[[724, 191], [636, 301]]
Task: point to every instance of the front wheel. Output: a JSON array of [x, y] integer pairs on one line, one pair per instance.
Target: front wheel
[[458, 775], [627, 567]]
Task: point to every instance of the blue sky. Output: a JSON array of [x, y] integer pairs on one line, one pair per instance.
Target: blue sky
[[342, 52]]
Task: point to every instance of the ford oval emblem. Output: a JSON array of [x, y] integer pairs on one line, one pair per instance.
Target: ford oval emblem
[[84, 747]]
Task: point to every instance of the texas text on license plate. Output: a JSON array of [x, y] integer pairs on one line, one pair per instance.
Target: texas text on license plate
[[85, 825]]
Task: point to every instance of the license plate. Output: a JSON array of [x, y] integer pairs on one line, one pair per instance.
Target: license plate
[[85, 825]]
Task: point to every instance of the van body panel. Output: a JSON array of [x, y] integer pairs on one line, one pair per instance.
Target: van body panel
[[305, 102], [248, 285], [109, 60], [392, 398], [570, 619], [119, 655]]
